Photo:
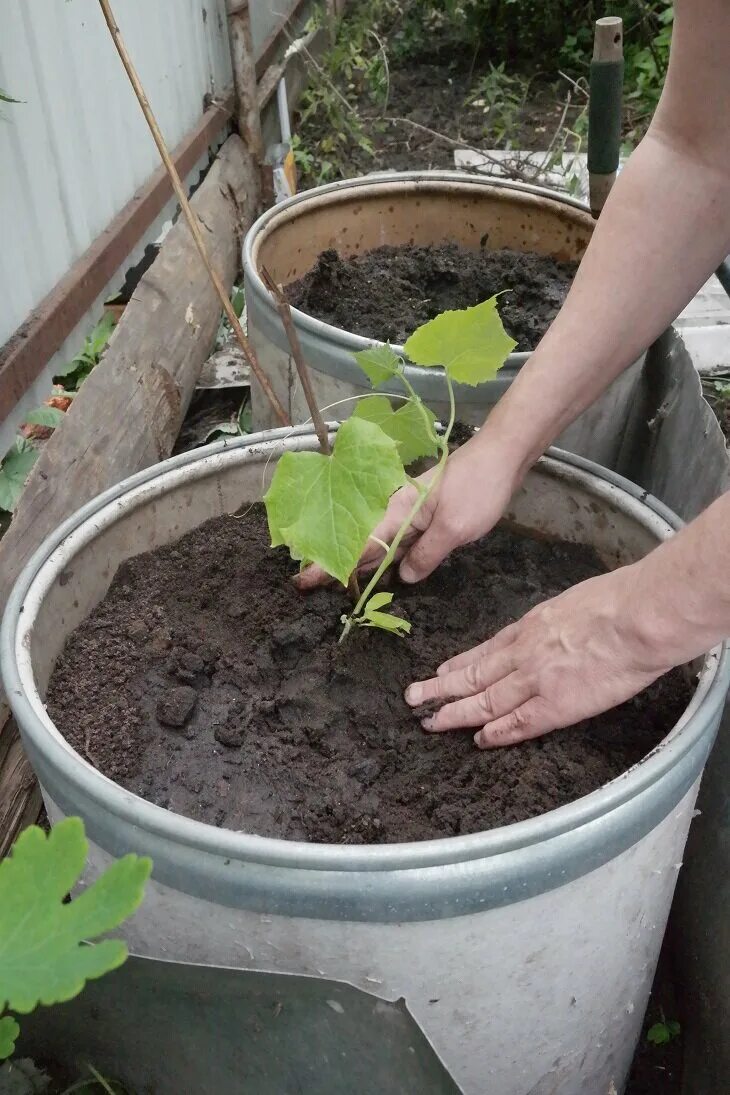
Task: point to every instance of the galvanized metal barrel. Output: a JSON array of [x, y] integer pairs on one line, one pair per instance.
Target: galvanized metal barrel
[[423, 207], [525, 953]]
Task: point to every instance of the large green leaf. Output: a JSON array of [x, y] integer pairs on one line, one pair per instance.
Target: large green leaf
[[43, 956], [325, 507], [379, 363], [411, 426], [14, 471], [471, 344]]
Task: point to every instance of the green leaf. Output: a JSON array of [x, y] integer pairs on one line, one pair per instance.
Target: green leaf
[[224, 429], [325, 507], [73, 373], [378, 600], [245, 418], [77, 370], [372, 617], [379, 363], [5, 98], [471, 344], [9, 1031], [99, 337], [45, 416], [238, 300], [674, 1028], [411, 426], [43, 956], [658, 1035], [14, 471]]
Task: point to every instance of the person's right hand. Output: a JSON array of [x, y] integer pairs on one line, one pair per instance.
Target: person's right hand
[[474, 490]]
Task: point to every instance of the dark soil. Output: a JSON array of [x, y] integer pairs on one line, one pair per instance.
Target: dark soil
[[429, 107], [291, 735], [386, 293]]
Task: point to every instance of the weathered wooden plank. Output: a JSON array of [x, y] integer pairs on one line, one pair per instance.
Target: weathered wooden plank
[[20, 796], [128, 412]]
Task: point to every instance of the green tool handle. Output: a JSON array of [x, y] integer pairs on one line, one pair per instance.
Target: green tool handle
[[605, 109]]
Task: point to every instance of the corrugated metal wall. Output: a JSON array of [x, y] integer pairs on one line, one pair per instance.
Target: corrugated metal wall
[[74, 151]]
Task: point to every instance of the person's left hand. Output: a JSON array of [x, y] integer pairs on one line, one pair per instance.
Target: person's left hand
[[569, 658]]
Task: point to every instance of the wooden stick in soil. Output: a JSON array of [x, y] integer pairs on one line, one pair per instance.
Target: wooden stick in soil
[[284, 309], [189, 215]]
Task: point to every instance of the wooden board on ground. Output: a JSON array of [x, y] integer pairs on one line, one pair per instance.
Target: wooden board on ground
[[128, 412]]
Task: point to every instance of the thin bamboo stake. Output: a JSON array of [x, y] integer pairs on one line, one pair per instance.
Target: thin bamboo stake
[[191, 219]]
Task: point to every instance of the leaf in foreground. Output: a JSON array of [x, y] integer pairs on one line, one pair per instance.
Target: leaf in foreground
[[471, 344], [43, 956], [325, 507], [372, 616], [411, 426], [14, 471], [379, 363]]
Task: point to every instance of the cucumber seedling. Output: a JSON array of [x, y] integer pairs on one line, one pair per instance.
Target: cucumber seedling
[[325, 506]]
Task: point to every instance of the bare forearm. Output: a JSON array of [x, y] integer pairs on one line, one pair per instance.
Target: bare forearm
[[664, 229], [653, 247], [679, 596]]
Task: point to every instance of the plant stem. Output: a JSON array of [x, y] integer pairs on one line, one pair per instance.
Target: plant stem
[[353, 587], [284, 309], [415, 509]]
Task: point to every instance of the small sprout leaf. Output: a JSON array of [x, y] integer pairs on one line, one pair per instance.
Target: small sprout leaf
[[372, 617], [9, 1031], [43, 953], [325, 507], [660, 1034], [379, 363], [378, 600], [412, 426], [471, 344]]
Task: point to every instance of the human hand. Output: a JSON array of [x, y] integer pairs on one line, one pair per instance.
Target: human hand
[[476, 486], [571, 657]]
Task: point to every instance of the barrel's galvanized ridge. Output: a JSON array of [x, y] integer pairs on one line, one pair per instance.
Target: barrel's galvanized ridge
[[400, 882]]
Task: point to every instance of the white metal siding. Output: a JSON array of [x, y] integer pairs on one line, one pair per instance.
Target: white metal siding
[[74, 151], [77, 147]]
